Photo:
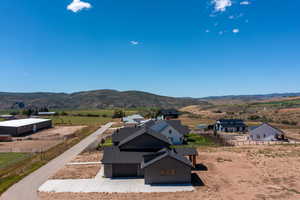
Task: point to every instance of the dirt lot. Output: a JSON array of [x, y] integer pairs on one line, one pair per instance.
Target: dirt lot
[[56, 132], [40, 141], [81, 171], [292, 133], [77, 172], [94, 156], [229, 173]]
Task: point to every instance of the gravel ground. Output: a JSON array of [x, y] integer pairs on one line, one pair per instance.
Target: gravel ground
[[94, 156], [233, 173], [77, 172]]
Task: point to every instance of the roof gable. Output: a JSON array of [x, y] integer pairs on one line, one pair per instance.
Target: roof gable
[[123, 133], [166, 153], [113, 155], [145, 131], [266, 129]]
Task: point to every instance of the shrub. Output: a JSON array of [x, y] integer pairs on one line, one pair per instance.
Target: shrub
[[118, 114]]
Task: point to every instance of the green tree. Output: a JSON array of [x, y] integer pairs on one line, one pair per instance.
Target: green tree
[[118, 114]]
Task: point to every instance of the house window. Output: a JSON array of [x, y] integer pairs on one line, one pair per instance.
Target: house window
[[167, 172], [264, 135], [170, 131], [258, 136]]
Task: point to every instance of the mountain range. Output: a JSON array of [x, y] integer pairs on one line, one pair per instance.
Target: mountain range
[[116, 99]]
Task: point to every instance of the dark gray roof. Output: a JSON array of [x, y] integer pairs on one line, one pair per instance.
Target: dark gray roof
[[267, 129], [149, 123], [232, 122], [186, 151], [178, 126], [123, 133], [142, 131], [166, 153], [252, 127], [168, 112], [113, 155]]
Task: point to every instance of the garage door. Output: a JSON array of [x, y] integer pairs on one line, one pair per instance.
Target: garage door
[[125, 170]]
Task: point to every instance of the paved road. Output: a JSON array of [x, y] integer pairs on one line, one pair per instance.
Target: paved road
[[26, 189]]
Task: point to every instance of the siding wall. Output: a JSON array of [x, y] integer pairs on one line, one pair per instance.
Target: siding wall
[[8, 131], [108, 171], [13, 131], [177, 138], [153, 172]]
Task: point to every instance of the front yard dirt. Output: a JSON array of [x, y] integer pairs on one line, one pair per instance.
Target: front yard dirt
[[228, 173]]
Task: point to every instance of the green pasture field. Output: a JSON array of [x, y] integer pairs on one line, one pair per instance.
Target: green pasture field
[[8, 159]]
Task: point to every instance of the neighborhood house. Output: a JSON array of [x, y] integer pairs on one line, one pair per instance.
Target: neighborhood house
[[230, 125], [166, 114], [266, 132], [133, 119], [172, 129], [145, 152]]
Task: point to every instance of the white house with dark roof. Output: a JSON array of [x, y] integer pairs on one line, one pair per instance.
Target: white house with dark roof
[[172, 129], [133, 119]]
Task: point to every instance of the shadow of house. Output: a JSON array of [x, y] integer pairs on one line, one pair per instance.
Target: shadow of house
[[200, 167], [196, 180]]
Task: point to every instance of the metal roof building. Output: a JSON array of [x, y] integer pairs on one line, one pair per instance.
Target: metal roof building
[[24, 126]]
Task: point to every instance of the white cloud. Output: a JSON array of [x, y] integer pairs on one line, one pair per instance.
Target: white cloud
[[78, 5], [245, 3], [207, 31], [221, 5], [236, 30], [134, 42], [231, 17]]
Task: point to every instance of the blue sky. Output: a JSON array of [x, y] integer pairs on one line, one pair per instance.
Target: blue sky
[[191, 48]]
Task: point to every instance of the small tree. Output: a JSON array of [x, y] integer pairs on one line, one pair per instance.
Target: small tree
[[118, 114]]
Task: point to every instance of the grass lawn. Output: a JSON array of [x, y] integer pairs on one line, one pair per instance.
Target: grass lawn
[[108, 142], [76, 120], [7, 159], [101, 112], [195, 140]]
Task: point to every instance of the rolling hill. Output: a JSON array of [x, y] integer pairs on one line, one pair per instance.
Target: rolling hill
[[122, 99], [94, 99]]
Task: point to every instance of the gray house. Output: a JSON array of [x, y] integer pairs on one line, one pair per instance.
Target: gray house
[[142, 152], [166, 166], [230, 125], [266, 132]]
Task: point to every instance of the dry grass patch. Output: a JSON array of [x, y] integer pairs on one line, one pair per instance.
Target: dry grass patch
[[94, 156], [77, 172]]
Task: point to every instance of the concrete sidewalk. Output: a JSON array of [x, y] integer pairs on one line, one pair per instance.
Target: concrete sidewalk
[[27, 188]]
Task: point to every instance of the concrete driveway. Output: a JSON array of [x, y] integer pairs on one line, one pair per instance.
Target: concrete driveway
[[125, 185], [101, 184], [28, 186]]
